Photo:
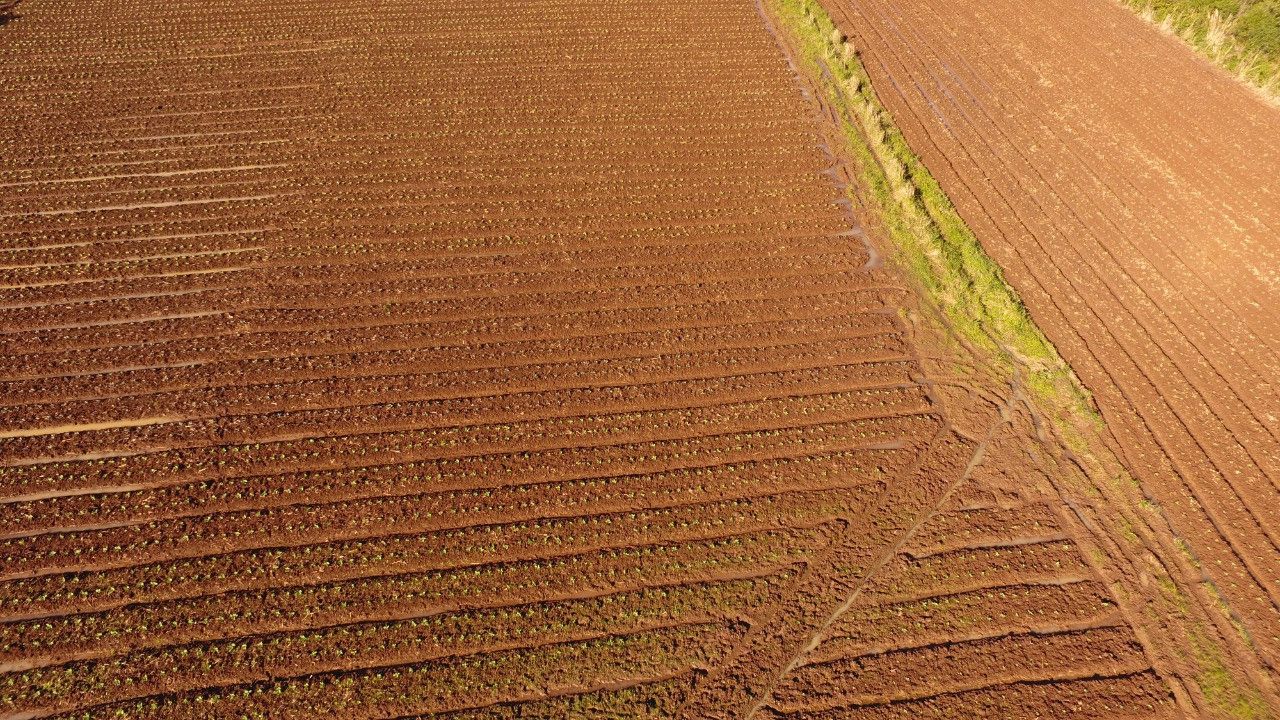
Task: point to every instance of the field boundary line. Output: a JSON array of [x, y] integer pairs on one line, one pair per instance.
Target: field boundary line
[[1196, 649]]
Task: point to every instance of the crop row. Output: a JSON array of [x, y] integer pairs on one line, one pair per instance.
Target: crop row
[[978, 568], [300, 263], [960, 528], [194, 282], [267, 144], [185, 197], [503, 494], [875, 627], [386, 240], [281, 607], [150, 214], [531, 215], [417, 380], [234, 336], [684, 104], [455, 543], [228, 288], [449, 684], [373, 303], [387, 554], [962, 665], [124, 191], [111, 269], [535, 170], [424, 511], [659, 698], [647, 307], [493, 233], [379, 158], [514, 468], [453, 634], [1088, 697], [747, 402], [866, 335], [375, 448]]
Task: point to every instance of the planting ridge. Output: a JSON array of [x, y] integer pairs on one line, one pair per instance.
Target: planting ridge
[[494, 359]]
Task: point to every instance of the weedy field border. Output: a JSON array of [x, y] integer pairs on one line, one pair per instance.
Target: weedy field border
[[930, 240], [932, 244], [1214, 35]]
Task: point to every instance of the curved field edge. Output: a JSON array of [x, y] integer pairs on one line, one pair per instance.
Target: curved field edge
[[1241, 37], [941, 255], [930, 240]]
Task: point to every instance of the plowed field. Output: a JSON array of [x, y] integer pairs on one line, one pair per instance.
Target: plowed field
[[491, 359], [1132, 193]]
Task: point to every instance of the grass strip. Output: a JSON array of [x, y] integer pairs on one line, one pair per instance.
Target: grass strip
[[1241, 36], [930, 240], [940, 253]]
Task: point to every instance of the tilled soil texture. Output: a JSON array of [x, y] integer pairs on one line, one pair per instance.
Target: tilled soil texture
[[487, 359], [1131, 192]]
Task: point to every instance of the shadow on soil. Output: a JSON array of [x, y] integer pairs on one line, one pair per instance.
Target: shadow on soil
[[8, 11]]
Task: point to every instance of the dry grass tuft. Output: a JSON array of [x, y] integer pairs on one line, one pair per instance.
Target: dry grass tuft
[[1217, 36], [930, 240], [1219, 31]]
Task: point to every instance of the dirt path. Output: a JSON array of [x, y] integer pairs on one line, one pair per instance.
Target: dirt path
[[1132, 193], [489, 359]]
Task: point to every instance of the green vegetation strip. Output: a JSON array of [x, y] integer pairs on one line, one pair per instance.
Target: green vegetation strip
[[933, 244], [1242, 36], [930, 240]]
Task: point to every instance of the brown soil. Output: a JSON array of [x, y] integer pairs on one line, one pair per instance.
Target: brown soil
[[494, 360], [1129, 190]]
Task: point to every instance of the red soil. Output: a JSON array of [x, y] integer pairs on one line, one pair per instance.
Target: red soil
[[489, 359], [1130, 191]]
